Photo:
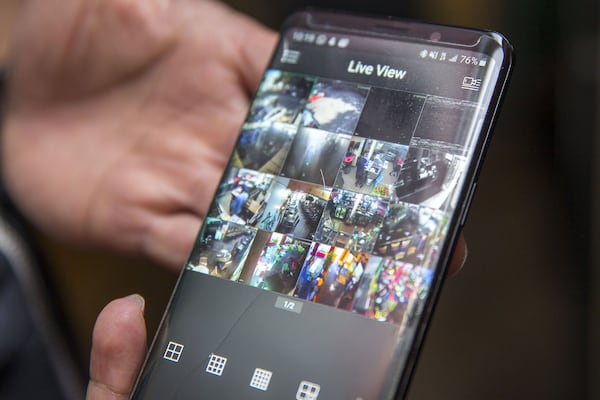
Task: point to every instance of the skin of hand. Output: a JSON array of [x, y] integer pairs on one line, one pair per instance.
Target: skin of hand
[[121, 115]]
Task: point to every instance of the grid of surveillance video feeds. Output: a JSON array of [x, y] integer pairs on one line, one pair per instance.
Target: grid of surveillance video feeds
[[338, 193]]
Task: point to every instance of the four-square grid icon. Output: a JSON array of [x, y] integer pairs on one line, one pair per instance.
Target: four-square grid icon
[[260, 379], [173, 352], [308, 391]]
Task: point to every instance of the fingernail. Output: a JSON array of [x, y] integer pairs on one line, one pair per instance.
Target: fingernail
[[139, 299]]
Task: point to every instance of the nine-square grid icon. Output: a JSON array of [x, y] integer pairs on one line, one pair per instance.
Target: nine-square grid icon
[[216, 364]]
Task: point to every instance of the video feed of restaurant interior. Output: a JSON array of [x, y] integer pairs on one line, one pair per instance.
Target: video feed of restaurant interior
[[337, 193]]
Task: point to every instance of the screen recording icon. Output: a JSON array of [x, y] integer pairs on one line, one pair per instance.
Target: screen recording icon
[[470, 83]]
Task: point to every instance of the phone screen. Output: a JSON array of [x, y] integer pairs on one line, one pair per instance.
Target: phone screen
[[314, 272]]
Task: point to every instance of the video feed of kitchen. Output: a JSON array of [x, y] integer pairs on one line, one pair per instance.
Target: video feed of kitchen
[[295, 208], [280, 98], [221, 248], [448, 122], [274, 262], [437, 158], [334, 106], [412, 233], [352, 220], [330, 275], [263, 147], [392, 291], [272, 122], [371, 166], [316, 156], [241, 196], [429, 176]]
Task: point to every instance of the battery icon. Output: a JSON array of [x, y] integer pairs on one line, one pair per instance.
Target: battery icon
[[482, 63]]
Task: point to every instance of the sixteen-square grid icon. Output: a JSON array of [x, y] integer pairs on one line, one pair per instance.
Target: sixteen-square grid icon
[[173, 352], [261, 379], [216, 364]]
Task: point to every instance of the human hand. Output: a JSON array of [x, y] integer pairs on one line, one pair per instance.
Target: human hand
[[118, 349], [121, 116]]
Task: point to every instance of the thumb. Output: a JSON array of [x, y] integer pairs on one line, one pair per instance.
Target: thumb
[[118, 349]]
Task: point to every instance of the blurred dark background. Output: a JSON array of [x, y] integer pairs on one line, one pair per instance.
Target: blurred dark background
[[520, 321]]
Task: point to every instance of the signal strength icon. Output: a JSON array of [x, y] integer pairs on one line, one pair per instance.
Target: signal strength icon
[[453, 59]]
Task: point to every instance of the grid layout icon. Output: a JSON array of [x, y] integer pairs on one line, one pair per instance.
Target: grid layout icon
[[173, 351], [216, 365], [307, 391], [261, 378]]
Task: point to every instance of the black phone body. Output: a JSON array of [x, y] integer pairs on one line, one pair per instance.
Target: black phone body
[[318, 265]]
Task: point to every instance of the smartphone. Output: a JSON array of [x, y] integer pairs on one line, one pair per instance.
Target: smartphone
[[321, 257]]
